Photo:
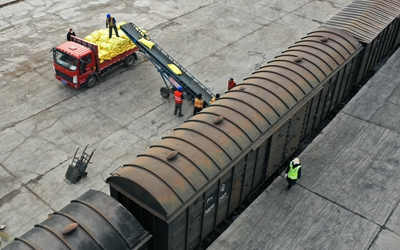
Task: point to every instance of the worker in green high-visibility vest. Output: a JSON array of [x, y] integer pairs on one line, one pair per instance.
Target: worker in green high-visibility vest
[[293, 172]]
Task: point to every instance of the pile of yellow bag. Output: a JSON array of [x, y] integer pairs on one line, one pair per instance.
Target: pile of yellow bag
[[110, 47]]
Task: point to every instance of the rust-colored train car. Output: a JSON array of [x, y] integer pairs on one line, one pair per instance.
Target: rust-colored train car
[[93, 221], [183, 187], [376, 24]]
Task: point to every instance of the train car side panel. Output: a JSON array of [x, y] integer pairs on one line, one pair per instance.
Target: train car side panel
[[261, 163], [177, 232], [224, 197], [249, 174], [238, 174], [277, 150], [296, 130], [195, 223], [397, 29], [210, 210]]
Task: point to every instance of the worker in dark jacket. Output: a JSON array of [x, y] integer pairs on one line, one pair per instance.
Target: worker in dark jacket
[[111, 24], [178, 101], [214, 98], [70, 33], [198, 103], [293, 172], [231, 84]]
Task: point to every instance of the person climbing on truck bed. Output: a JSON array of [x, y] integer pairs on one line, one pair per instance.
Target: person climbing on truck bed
[[71, 32]]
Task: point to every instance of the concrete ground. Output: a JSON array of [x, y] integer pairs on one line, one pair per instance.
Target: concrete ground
[[43, 122], [349, 194]]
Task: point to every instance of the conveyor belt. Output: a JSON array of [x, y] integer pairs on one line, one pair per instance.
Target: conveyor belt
[[161, 59]]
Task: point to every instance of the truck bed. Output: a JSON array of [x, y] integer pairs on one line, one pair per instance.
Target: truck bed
[[95, 49], [115, 59], [159, 56]]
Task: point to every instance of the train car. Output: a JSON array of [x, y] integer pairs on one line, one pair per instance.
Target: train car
[[92, 221], [376, 24], [183, 187]]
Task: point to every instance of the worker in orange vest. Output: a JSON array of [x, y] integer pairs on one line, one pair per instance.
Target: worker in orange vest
[[198, 104], [178, 101], [214, 98]]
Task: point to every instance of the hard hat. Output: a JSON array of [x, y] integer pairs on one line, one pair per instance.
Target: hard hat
[[108, 15], [296, 161], [180, 88]]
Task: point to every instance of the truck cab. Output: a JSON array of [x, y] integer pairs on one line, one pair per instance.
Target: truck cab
[[74, 64]]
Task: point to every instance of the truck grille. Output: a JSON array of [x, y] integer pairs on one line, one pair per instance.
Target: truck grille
[[64, 76]]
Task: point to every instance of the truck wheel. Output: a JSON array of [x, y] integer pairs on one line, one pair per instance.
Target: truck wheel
[[164, 92], [91, 81], [129, 60]]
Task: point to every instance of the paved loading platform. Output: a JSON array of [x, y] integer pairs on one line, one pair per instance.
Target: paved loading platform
[[43, 122], [348, 197]]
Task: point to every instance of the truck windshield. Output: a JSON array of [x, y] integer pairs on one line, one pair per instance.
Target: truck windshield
[[65, 60]]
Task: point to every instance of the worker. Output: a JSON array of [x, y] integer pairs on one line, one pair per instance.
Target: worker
[[70, 33], [231, 84], [178, 101], [198, 103], [214, 98], [111, 24], [293, 172]]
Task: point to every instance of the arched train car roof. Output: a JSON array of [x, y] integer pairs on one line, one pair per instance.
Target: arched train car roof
[[103, 223], [365, 19], [204, 147]]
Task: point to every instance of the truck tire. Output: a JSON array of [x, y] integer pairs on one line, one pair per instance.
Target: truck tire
[[129, 60], [90, 82], [164, 92]]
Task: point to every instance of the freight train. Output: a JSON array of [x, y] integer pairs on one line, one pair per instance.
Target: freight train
[[181, 188]]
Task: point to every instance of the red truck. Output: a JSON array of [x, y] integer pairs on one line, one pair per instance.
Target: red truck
[[77, 63]]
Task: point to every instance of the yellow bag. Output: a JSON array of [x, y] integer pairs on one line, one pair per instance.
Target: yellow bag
[[95, 34], [89, 38], [146, 43], [141, 31], [102, 45], [103, 39], [175, 69], [103, 55], [103, 32], [108, 46]]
